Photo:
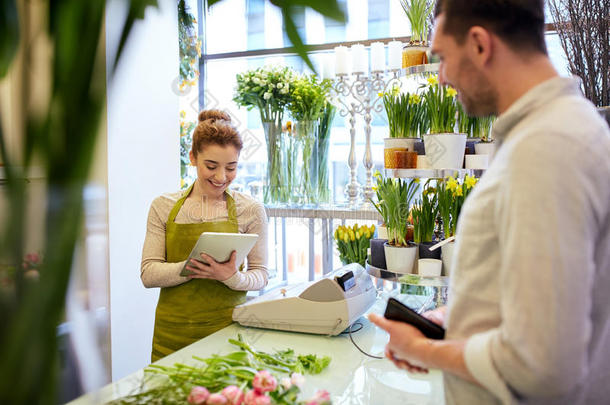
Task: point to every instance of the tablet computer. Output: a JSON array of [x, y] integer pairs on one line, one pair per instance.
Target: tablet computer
[[220, 246]]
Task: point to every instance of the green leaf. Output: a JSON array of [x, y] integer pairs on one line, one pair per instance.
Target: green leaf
[[291, 30], [330, 9], [9, 34], [136, 12]]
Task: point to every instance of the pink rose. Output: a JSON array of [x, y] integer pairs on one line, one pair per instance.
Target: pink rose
[[264, 382], [198, 395], [33, 258], [253, 397], [216, 399], [297, 379], [322, 397], [233, 394]]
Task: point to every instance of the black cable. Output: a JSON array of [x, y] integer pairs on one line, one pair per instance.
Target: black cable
[[349, 330]]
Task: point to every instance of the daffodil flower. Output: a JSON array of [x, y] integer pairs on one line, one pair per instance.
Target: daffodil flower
[[451, 92], [470, 181], [459, 192], [452, 184], [432, 80]]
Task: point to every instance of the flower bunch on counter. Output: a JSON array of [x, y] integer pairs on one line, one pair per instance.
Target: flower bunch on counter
[[244, 377], [353, 242]]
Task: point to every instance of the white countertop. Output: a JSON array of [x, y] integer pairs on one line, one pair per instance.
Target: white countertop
[[351, 378]]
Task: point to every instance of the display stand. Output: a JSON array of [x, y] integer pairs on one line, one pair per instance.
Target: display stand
[[438, 285]]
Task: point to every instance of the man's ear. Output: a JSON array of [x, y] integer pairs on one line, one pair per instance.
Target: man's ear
[[480, 45]]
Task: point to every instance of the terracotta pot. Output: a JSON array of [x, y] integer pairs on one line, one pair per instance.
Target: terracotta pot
[[414, 55]]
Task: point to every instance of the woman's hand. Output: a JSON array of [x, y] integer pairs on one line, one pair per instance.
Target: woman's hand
[[407, 345], [213, 270]]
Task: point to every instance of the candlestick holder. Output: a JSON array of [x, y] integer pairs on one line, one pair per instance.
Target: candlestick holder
[[360, 95]]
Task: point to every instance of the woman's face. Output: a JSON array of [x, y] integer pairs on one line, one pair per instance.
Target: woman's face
[[216, 168]]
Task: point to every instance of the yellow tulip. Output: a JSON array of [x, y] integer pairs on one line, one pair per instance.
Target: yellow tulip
[[367, 234], [373, 228]]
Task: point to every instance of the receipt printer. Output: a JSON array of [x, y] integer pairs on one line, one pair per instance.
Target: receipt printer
[[326, 306]]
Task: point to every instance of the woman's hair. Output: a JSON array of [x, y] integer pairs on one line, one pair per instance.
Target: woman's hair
[[215, 128]]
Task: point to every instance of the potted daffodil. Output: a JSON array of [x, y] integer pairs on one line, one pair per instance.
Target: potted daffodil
[[394, 198]]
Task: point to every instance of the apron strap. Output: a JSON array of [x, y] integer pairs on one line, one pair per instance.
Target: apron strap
[[178, 205]]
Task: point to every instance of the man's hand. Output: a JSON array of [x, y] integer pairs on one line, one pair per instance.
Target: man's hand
[[407, 346], [213, 270], [437, 315]]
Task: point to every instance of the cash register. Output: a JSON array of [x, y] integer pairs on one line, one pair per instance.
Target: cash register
[[326, 306]]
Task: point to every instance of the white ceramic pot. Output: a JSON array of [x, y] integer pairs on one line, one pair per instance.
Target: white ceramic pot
[[382, 232], [429, 267], [447, 257], [486, 148], [445, 151], [400, 259], [477, 161]]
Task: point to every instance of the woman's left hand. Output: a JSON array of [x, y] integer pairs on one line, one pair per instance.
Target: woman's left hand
[[213, 270]]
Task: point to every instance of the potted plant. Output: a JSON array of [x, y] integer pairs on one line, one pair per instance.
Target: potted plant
[[451, 194], [444, 148], [423, 214], [479, 145], [393, 202], [417, 11], [269, 90], [406, 120]]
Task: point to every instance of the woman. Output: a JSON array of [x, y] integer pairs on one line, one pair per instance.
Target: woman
[[193, 307]]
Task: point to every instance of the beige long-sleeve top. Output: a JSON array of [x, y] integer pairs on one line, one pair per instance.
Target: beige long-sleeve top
[[531, 269], [251, 218]]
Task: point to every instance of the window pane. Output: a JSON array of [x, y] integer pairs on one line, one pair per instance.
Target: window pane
[[242, 25]]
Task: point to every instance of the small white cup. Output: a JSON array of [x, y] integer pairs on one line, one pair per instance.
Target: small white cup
[[429, 267], [477, 161], [422, 162]]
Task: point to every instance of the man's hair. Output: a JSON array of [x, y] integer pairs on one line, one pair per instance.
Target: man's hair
[[519, 23]]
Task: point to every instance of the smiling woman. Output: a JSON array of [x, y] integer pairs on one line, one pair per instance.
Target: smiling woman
[[195, 306]]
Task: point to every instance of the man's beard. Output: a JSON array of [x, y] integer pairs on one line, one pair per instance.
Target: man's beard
[[480, 99]]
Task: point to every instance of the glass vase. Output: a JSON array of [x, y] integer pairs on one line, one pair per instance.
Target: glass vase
[[292, 153], [305, 132], [321, 158], [273, 190]]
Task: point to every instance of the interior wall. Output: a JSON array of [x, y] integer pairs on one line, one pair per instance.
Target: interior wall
[[143, 162]]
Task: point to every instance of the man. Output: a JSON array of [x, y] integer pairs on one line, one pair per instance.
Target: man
[[528, 317]]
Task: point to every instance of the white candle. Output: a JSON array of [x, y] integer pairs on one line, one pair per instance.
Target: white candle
[[395, 55], [341, 60], [327, 66], [377, 56], [360, 60]]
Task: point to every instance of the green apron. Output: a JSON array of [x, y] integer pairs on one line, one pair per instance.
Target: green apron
[[199, 307]]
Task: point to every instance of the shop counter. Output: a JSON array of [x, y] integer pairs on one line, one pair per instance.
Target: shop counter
[[351, 378]]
